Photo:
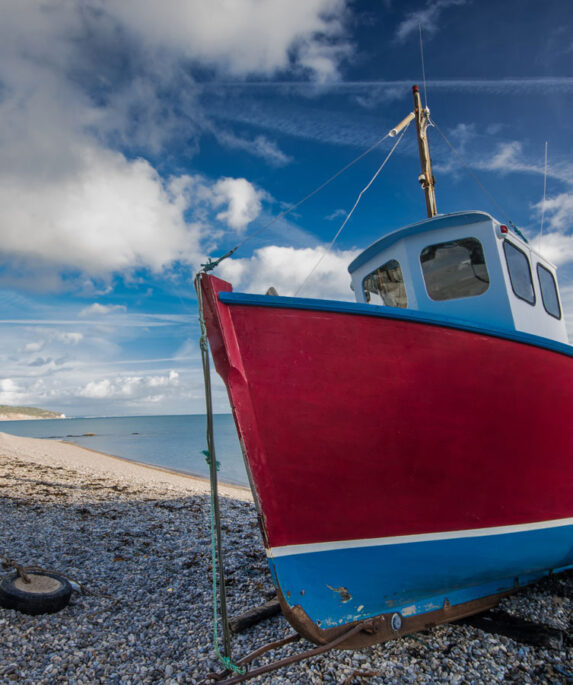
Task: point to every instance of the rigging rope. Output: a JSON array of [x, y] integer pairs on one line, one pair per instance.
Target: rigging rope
[[471, 173], [216, 543], [211, 264], [329, 248]]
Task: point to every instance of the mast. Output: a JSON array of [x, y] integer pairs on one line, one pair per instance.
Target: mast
[[426, 178]]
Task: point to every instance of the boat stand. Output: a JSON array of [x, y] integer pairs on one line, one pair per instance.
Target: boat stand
[[223, 679]]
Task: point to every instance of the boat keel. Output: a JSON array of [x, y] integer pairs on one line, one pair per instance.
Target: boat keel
[[385, 626]]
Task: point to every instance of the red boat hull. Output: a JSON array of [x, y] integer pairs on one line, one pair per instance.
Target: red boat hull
[[362, 427]]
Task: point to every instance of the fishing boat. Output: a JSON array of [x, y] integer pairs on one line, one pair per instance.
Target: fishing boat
[[409, 454]]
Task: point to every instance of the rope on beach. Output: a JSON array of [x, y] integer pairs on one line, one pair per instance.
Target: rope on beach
[[20, 570], [216, 543]]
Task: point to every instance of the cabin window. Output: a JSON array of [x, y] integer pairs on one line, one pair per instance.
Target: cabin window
[[548, 289], [386, 286], [454, 269], [519, 272]]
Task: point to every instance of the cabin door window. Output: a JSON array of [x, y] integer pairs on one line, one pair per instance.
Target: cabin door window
[[519, 272], [385, 285], [454, 269], [548, 291]]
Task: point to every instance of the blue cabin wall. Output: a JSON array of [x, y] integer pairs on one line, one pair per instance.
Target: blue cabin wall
[[527, 317], [497, 307], [491, 307]]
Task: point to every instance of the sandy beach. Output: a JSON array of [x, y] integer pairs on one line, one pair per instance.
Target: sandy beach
[[137, 539], [89, 462]]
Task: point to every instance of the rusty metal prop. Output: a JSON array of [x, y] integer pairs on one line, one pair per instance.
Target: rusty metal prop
[[287, 661]]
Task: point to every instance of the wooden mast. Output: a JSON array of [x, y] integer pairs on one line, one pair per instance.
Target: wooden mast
[[426, 178]]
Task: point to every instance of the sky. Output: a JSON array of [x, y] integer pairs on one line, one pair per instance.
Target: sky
[[138, 138]]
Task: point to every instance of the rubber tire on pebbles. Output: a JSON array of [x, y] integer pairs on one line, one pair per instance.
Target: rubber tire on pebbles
[[47, 593]]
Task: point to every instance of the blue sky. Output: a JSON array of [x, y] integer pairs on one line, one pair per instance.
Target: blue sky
[[139, 137]]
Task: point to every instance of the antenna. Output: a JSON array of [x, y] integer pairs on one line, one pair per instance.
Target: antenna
[[423, 68], [543, 203]]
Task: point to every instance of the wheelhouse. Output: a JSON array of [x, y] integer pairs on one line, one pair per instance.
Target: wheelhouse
[[466, 266]]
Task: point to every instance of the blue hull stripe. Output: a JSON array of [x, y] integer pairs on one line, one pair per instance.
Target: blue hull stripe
[[339, 586]]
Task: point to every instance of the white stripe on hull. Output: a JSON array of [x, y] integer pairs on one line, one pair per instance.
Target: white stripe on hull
[[309, 548]]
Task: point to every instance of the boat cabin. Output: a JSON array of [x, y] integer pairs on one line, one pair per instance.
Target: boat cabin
[[464, 266]]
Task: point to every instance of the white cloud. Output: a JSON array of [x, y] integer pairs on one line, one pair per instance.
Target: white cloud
[[111, 215], [243, 36], [97, 389], [74, 94], [242, 200], [507, 157], [101, 309], [337, 214], [558, 211], [132, 387], [10, 392], [35, 346], [428, 18], [556, 242], [116, 216], [555, 246], [69, 338], [259, 146], [87, 371], [286, 268]]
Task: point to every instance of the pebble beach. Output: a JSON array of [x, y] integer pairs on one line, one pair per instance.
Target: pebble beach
[[136, 541]]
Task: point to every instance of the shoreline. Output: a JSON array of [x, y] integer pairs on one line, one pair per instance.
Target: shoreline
[[69, 455], [156, 467]]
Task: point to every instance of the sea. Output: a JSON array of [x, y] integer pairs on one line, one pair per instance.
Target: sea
[[171, 442]]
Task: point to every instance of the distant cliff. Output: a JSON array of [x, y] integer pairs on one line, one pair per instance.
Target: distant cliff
[[8, 413]]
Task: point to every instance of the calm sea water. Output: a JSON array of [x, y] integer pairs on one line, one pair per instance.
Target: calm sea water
[[174, 442]]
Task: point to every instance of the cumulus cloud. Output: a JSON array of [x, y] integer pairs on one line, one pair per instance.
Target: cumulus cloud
[[286, 268], [131, 387], [10, 392], [102, 368], [89, 89], [242, 201], [67, 200], [113, 215], [245, 36], [116, 216]]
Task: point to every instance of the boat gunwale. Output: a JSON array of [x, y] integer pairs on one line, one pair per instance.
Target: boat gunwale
[[387, 312]]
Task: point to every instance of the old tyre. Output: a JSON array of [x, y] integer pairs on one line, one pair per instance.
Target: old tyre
[[46, 593]]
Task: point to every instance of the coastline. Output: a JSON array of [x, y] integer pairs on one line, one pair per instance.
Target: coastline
[[87, 460]]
